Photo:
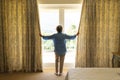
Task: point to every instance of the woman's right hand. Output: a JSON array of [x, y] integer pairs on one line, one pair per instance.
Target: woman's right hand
[[77, 34]]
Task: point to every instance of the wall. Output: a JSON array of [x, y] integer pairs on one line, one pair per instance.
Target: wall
[[59, 1]]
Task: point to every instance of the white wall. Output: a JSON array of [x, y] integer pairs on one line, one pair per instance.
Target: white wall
[[59, 1]]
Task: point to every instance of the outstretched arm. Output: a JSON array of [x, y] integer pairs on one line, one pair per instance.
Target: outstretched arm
[[71, 37], [46, 37]]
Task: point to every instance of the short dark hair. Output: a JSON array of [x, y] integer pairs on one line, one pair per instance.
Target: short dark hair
[[59, 28]]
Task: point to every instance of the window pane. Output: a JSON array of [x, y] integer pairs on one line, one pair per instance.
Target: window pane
[[49, 19], [72, 19]]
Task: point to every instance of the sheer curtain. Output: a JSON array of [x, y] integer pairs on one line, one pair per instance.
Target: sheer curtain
[[99, 33], [20, 44]]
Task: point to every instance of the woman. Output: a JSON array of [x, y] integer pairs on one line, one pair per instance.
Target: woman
[[59, 40]]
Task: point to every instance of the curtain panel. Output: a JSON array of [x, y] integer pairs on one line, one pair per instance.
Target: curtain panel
[[99, 33], [20, 44]]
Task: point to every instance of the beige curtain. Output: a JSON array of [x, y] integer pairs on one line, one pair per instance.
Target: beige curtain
[[99, 33], [20, 44]]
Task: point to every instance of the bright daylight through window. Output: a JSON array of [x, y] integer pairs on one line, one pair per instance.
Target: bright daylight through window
[[50, 17]]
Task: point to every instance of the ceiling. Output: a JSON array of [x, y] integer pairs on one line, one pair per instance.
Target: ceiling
[[59, 1]]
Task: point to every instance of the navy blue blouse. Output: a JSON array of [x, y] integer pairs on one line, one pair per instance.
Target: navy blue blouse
[[59, 40]]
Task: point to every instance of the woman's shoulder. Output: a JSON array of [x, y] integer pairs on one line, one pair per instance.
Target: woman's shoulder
[[60, 34]]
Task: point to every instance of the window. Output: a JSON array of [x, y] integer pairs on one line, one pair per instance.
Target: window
[[71, 24], [50, 17]]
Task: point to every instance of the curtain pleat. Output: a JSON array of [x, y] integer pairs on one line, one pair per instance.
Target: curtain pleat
[[99, 33], [1, 38], [20, 44]]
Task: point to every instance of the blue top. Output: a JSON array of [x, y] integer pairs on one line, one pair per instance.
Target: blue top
[[59, 40]]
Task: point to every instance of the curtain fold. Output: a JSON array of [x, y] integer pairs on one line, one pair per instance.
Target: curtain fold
[[20, 44], [99, 33]]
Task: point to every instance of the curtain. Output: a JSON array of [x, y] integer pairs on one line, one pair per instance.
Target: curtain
[[20, 44], [99, 33]]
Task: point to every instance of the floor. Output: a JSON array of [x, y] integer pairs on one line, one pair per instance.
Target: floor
[[48, 74]]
